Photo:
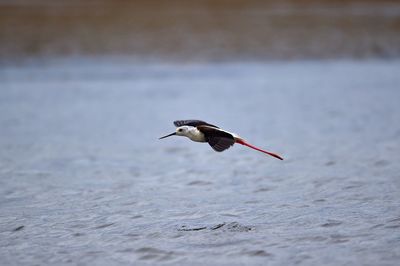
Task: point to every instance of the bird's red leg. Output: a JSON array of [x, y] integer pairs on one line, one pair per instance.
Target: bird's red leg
[[241, 141]]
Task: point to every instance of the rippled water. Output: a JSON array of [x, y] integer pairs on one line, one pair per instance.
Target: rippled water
[[84, 179]]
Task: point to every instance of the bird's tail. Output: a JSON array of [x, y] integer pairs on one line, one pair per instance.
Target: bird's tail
[[241, 141]]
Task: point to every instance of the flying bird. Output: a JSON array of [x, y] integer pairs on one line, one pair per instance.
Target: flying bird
[[219, 139]]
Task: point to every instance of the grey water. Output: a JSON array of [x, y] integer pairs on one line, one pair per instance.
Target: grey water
[[84, 179]]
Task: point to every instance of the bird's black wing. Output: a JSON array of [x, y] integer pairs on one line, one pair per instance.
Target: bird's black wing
[[219, 140], [192, 123]]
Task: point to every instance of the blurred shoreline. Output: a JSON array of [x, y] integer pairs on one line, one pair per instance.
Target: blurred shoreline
[[200, 30]]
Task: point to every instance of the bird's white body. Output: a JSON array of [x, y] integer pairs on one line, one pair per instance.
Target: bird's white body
[[196, 135], [192, 133]]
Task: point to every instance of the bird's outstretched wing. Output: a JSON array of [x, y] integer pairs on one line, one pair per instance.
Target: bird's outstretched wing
[[192, 123], [219, 140]]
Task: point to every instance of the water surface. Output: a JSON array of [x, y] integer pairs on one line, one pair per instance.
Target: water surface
[[84, 179]]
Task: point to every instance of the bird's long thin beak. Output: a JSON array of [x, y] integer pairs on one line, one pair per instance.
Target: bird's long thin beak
[[168, 135]]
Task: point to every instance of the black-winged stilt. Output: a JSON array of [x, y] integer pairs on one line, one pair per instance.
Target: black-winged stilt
[[218, 139]]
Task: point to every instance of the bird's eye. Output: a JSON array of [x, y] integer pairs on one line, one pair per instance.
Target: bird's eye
[[180, 130]]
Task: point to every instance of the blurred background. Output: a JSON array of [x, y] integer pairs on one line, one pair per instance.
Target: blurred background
[[87, 87], [202, 29]]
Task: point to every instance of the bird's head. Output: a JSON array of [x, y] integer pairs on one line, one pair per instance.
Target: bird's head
[[180, 131]]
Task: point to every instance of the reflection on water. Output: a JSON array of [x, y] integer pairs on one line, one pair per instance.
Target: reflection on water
[[210, 30]]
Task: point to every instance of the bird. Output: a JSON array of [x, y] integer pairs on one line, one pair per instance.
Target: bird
[[217, 138]]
